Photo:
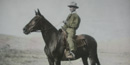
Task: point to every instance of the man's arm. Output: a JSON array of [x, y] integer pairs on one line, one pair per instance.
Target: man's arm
[[65, 25], [75, 22]]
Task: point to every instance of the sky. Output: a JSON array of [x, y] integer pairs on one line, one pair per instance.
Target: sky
[[105, 20]]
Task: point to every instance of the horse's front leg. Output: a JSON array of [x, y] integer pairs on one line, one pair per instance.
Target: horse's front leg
[[50, 58], [51, 61], [57, 62]]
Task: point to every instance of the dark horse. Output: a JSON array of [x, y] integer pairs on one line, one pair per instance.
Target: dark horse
[[55, 42]]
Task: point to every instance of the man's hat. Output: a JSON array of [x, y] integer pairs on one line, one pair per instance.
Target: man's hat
[[73, 4]]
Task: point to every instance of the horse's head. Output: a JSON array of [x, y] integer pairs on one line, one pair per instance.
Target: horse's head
[[33, 25]]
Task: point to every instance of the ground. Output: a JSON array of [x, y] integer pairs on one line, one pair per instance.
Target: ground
[[16, 55]]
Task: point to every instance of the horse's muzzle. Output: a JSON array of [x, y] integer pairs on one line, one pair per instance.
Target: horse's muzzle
[[25, 31]]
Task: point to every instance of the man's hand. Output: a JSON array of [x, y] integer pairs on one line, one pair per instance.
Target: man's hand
[[64, 22]]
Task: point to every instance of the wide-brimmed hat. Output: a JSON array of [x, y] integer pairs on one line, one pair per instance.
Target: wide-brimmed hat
[[73, 4]]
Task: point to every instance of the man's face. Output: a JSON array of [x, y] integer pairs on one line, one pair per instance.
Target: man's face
[[72, 9]]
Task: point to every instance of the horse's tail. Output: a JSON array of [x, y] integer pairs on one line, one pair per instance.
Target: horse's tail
[[97, 60], [92, 46], [94, 60]]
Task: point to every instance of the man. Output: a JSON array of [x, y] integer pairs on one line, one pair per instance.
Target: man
[[70, 26]]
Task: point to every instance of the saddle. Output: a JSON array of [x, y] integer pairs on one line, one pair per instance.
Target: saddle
[[79, 40]]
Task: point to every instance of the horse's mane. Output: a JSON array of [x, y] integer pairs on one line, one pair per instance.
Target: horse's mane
[[48, 23]]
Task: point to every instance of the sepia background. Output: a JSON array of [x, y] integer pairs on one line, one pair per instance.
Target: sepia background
[[108, 21]]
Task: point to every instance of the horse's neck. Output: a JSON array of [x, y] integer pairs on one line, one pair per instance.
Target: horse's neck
[[50, 34]]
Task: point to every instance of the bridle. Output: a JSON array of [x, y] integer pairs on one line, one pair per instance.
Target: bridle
[[44, 29]]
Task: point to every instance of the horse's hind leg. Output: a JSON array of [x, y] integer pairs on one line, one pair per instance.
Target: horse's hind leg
[[84, 59]]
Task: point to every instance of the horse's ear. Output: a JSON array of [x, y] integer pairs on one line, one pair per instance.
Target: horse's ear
[[35, 12], [38, 12]]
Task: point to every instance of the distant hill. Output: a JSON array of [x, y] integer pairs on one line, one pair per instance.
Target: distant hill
[[21, 43], [18, 51]]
